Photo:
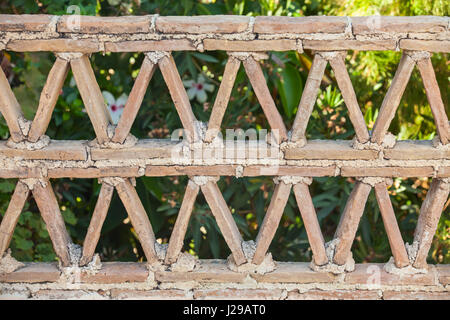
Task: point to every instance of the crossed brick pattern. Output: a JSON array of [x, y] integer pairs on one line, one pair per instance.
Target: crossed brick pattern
[[31, 133]]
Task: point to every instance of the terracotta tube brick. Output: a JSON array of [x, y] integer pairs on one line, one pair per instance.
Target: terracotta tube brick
[[138, 218], [24, 22], [392, 98], [10, 108], [425, 45], [161, 171], [348, 93], [150, 45], [56, 150], [309, 216], [260, 170], [123, 172], [179, 229], [92, 97], [348, 225], [309, 97], [416, 150], [256, 77], [435, 99], [225, 221], [430, 212], [49, 96], [93, 24], [377, 24], [390, 224], [95, 226], [222, 98], [250, 45], [54, 45], [387, 172], [202, 24], [134, 101], [300, 24], [271, 221], [179, 95], [11, 215], [49, 208], [362, 45]]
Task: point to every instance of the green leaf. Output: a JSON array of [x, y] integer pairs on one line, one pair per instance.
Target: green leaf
[[290, 86]]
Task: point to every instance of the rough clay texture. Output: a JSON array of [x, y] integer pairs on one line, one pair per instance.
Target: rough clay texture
[[8, 264], [185, 262], [130, 141], [72, 272], [292, 180], [43, 141], [249, 248], [390, 267], [372, 181], [202, 180], [389, 141], [349, 265]]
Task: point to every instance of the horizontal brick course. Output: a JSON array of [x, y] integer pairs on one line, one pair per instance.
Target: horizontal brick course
[[117, 272], [407, 295], [202, 24], [374, 24], [33, 273], [324, 24], [24, 22], [290, 272], [90, 24], [334, 295], [126, 294], [236, 294]]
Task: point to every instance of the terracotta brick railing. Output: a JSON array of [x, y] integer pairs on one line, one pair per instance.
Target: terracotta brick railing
[[116, 158]]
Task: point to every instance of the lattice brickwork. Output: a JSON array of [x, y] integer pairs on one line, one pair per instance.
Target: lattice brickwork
[[116, 157]]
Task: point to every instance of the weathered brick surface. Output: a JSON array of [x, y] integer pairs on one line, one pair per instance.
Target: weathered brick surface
[[208, 271], [300, 24], [252, 45], [25, 22], [432, 24], [91, 24], [54, 45], [57, 294], [236, 294], [6, 294], [118, 272], [149, 45], [336, 45], [387, 172], [33, 273], [202, 24], [425, 45], [334, 295], [443, 274], [158, 294], [373, 275], [420, 295], [289, 272]]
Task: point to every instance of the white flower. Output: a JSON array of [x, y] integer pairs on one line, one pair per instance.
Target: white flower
[[115, 107], [198, 89]]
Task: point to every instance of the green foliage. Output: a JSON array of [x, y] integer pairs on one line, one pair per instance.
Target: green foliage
[[248, 198]]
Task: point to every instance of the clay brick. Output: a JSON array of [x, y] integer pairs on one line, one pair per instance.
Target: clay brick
[[417, 24], [367, 274], [54, 45], [420, 295], [387, 172], [444, 172], [208, 271], [294, 272], [20, 172], [300, 24], [334, 295], [162, 171], [124, 294], [118, 272], [143, 149], [93, 172], [56, 150], [6, 294], [58, 294], [202, 24], [235, 294], [443, 274], [150, 45], [363, 45], [24, 22], [416, 150], [330, 150], [425, 45], [33, 273], [253, 171], [91, 24], [251, 45]]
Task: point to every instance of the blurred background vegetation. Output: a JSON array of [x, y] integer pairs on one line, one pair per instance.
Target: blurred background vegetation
[[248, 198]]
